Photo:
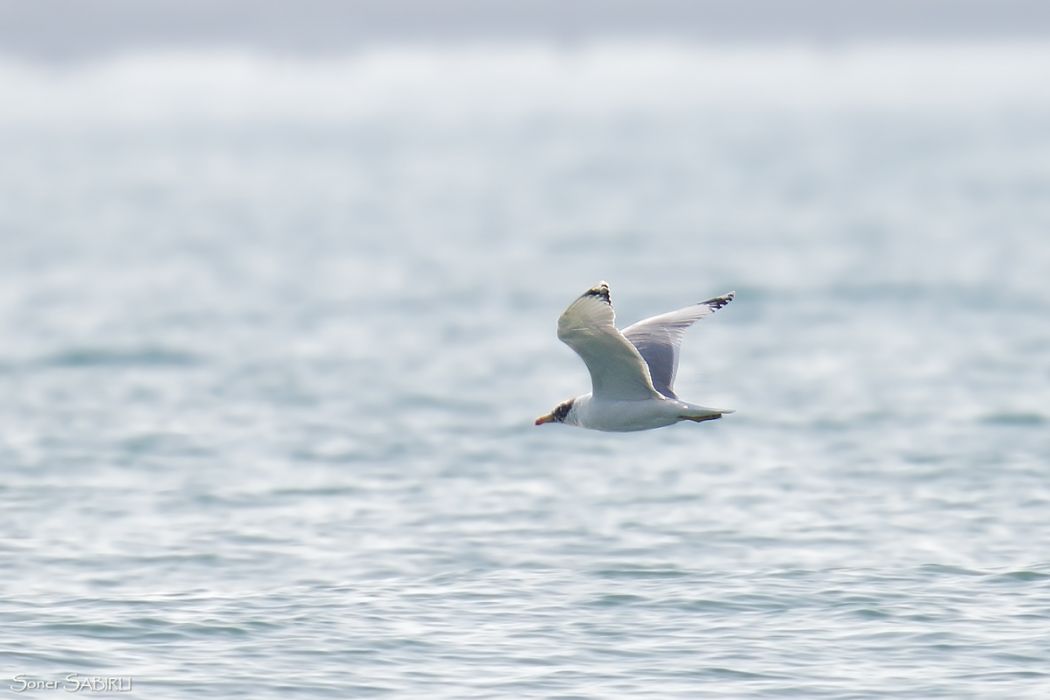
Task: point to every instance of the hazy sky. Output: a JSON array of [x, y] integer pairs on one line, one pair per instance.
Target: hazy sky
[[56, 29]]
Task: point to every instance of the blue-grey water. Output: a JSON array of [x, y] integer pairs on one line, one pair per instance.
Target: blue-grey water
[[273, 334]]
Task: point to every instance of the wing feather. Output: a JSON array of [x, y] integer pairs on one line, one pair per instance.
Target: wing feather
[[658, 338], [617, 369]]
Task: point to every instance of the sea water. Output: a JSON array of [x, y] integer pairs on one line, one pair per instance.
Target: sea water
[[273, 333]]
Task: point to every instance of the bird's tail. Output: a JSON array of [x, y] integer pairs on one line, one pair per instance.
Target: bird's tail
[[698, 414]]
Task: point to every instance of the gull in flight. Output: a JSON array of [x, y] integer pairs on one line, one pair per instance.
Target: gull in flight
[[632, 371]]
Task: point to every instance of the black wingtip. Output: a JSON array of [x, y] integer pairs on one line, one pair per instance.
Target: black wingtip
[[601, 291], [718, 302]]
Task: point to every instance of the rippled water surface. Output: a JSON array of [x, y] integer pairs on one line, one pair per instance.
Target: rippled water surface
[[273, 339]]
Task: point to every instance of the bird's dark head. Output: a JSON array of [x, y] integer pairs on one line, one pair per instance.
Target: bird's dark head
[[558, 415]]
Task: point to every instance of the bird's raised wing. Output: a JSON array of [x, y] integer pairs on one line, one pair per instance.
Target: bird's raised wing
[[658, 338], [617, 369]]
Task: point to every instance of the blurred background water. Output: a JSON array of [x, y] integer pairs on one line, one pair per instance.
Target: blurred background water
[[274, 329]]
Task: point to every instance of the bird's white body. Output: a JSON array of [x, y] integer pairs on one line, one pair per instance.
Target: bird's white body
[[632, 371], [628, 416]]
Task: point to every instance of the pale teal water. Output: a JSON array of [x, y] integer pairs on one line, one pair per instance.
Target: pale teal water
[[272, 346]]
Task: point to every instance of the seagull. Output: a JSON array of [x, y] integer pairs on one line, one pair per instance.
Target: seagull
[[632, 371]]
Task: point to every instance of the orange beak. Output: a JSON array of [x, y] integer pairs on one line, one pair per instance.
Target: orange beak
[[549, 418]]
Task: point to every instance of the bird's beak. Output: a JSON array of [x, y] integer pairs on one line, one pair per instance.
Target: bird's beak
[[549, 418]]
